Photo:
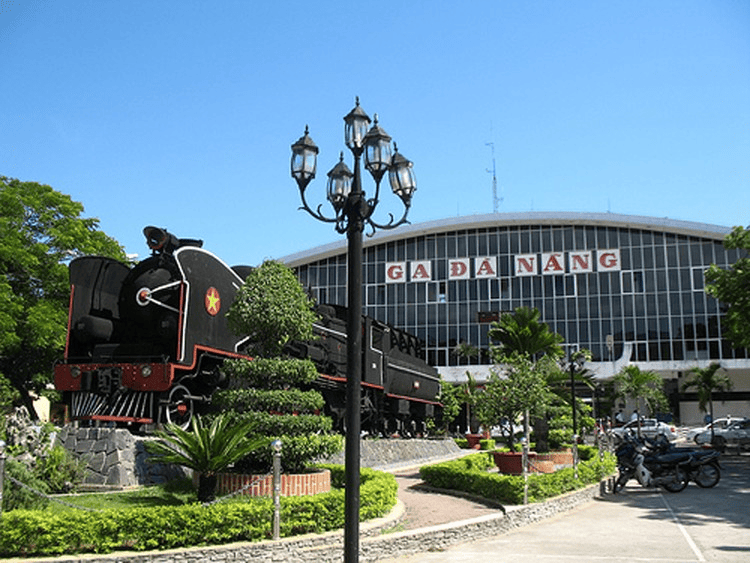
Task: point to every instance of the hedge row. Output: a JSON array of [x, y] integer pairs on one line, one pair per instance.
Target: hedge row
[[296, 453], [471, 474], [267, 424], [33, 532], [287, 401], [272, 373], [484, 443]]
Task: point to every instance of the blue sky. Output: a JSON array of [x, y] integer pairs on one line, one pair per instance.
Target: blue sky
[[181, 114]]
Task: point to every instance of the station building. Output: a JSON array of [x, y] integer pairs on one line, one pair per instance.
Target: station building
[[628, 288]]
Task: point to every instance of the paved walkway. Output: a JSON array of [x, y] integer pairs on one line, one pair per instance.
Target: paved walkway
[[424, 507], [638, 525]]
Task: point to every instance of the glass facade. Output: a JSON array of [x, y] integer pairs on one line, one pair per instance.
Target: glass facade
[[625, 287]]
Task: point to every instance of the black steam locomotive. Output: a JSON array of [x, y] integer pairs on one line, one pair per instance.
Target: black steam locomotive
[[146, 344]]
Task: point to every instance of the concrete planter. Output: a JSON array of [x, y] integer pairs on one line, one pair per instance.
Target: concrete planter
[[474, 440], [511, 463]]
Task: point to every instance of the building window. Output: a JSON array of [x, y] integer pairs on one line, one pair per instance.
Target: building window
[[698, 279], [632, 282]]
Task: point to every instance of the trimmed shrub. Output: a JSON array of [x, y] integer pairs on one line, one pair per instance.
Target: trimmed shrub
[[487, 444], [34, 533], [471, 474], [296, 453], [15, 497]]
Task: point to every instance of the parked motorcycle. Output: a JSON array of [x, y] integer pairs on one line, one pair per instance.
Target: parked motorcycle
[[652, 469], [703, 467]]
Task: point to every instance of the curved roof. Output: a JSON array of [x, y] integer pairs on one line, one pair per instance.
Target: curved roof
[[490, 220]]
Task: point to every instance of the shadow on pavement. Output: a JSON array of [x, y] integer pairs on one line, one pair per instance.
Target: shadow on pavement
[[727, 502]]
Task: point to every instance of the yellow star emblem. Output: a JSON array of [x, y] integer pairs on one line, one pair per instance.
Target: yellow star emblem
[[213, 301]]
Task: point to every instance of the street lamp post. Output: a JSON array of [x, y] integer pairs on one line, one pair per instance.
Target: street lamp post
[[576, 360], [573, 396], [352, 211]]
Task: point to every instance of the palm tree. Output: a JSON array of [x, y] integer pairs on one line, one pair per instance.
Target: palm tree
[[470, 388], [636, 384], [706, 381], [205, 449], [523, 335], [522, 332]]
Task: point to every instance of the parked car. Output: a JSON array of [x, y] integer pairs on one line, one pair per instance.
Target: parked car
[[650, 427], [736, 435], [718, 424]]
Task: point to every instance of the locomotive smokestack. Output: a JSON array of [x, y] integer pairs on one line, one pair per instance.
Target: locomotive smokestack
[[162, 241]]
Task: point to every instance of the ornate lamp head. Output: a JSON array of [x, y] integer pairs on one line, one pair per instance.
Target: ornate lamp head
[[401, 176], [339, 184], [355, 129], [304, 160]]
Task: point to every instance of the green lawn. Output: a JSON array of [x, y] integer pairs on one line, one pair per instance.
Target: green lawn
[[175, 493]]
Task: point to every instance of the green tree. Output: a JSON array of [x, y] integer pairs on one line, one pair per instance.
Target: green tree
[[206, 449], [272, 308], [273, 391], [451, 397], [705, 381], [41, 230], [521, 390], [732, 288], [470, 392], [522, 334], [636, 384]]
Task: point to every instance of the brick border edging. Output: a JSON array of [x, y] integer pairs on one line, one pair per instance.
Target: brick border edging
[[291, 484], [375, 543]]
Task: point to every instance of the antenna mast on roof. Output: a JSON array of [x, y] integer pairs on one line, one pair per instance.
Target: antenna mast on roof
[[496, 201]]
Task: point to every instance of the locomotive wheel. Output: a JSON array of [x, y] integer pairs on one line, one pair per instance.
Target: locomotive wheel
[[180, 407], [409, 429], [392, 427]]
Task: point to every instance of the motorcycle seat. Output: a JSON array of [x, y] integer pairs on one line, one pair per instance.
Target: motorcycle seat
[[672, 457]]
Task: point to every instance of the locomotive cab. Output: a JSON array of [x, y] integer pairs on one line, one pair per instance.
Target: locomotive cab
[[145, 344]]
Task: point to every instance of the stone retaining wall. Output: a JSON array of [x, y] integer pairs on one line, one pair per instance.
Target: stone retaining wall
[[115, 458], [375, 543], [392, 454]]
